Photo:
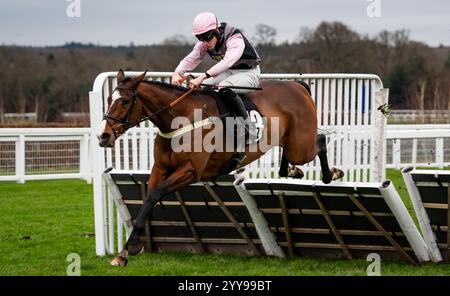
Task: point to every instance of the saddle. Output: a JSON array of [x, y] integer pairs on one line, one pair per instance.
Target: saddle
[[225, 111], [224, 108]]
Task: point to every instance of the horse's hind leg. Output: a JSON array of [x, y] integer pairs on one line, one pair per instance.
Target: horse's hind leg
[[289, 171], [322, 145], [283, 172], [327, 174]]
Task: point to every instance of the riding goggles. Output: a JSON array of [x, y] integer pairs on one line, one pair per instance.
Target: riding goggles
[[207, 36]]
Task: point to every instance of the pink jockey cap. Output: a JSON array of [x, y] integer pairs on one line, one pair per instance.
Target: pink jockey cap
[[204, 22]]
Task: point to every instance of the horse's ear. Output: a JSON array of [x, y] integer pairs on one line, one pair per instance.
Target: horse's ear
[[138, 79], [141, 77], [120, 76]]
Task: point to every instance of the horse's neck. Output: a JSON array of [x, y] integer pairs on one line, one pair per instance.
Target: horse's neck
[[154, 101], [158, 97]]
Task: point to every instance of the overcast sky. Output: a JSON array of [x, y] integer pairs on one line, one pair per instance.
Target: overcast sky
[[114, 22]]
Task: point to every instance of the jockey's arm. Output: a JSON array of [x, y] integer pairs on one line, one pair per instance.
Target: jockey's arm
[[192, 60], [235, 48]]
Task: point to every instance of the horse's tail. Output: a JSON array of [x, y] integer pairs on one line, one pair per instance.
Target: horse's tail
[[305, 85]]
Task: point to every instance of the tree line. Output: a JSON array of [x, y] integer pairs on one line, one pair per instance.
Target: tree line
[[52, 80]]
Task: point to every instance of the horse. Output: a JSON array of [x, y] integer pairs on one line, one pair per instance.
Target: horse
[[135, 100]]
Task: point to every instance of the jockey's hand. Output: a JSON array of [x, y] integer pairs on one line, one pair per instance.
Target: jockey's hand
[[177, 79], [195, 83]]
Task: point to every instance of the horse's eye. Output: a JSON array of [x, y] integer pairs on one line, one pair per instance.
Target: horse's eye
[[125, 102]]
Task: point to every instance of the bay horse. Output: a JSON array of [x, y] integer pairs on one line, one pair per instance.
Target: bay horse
[[135, 99]]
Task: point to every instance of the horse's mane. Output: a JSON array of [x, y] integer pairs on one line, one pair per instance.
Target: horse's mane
[[160, 83], [166, 85]]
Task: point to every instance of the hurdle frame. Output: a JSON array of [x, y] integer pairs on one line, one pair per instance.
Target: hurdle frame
[[340, 220]]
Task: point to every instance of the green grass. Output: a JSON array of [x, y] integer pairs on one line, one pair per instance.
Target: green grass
[[41, 222]]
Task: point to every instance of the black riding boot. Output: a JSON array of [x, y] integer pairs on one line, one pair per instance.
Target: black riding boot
[[239, 109]]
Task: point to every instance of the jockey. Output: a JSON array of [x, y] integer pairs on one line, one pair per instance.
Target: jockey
[[238, 62]]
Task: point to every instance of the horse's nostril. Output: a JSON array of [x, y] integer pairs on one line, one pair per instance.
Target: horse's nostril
[[104, 136], [104, 139]]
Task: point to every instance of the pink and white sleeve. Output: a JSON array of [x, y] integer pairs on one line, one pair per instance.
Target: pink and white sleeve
[[235, 48], [193, 59]]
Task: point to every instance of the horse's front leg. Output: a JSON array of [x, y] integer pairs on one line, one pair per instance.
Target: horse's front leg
[[183, 176]]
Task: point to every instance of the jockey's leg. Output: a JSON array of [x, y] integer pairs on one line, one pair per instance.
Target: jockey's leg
[[249, 78], [238, 107], [217, 79]]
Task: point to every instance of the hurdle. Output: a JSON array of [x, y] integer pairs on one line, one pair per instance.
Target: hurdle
[[283, 217], [429, 191], [346, 112]]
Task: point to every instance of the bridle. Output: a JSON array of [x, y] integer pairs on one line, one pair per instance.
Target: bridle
[[125, 125]]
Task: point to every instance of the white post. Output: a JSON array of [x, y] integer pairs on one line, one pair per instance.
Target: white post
[[126, 155], [116, 197], [379, 170], [98, 164], [396, 152], [414, 153], [134, 149], [143, 147], [422, 216], [318, 99], [440, 152], [84, 157], [396, 205], [81, 159], [111, 225], [89, 158], [266, 236], [382, 165], [20, 159]]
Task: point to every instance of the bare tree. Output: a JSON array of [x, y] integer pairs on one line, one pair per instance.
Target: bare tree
[[422, 84], [383, 45], [400, 41], [265, 34], [335, 44], [304, 35]]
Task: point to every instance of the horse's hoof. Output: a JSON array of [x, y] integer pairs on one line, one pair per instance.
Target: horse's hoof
[[295, 172], [119, 261], [337, 173]]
